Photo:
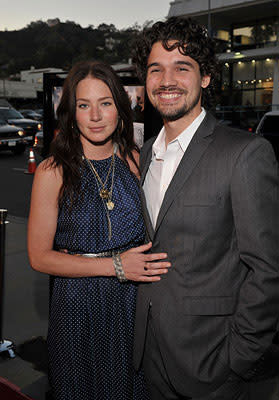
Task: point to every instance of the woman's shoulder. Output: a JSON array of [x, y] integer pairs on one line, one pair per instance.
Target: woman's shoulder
[[136, 156], [47, 184], [48, 169]]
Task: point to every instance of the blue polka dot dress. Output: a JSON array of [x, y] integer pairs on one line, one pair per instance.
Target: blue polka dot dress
[[90, 336]]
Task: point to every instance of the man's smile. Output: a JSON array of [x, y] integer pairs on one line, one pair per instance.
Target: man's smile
[[168, 95]]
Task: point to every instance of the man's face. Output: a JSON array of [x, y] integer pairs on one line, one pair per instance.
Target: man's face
[[174, 83]]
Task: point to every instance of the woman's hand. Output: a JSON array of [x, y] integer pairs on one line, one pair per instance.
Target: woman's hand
[[142, 267]]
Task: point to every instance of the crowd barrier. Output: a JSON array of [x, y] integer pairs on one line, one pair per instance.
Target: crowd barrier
[[5, 345]]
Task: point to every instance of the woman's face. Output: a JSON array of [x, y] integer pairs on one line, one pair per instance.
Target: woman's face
[[96, 112]]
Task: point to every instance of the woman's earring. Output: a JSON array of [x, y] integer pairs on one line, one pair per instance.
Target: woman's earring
[[121, 126]]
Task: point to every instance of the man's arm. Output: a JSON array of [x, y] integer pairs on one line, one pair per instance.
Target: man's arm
[[255, 203]]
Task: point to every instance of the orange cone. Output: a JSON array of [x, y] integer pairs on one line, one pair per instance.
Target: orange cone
[[31, 162]]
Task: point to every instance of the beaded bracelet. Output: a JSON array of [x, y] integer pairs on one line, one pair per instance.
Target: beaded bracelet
[[120, 275]]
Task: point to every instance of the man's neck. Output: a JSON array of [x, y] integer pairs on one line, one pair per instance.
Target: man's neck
[[175, 128]]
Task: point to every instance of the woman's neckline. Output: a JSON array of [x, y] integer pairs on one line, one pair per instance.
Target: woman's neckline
[[101, 159], [115, 149]]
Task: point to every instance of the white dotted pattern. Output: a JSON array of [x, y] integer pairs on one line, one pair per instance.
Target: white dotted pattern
[[91, 323]]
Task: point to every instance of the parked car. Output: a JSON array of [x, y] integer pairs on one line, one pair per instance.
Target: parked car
[[13, 138], [13, 117], [269, 128], [31, 114], [40, 111]]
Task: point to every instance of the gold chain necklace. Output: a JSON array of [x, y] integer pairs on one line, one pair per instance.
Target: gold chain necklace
[[104, 193]]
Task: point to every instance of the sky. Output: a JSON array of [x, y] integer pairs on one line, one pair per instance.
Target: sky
[[16, 14]]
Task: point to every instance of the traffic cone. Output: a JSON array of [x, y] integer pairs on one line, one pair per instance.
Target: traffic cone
[[31, 162]]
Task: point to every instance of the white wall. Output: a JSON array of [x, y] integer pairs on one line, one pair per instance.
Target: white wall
[[14, 89], [35, 76]]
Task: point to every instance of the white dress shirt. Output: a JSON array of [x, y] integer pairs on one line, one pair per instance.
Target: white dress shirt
[[164, 162]]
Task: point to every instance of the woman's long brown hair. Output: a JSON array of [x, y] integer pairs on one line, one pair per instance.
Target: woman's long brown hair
[[66, 149]]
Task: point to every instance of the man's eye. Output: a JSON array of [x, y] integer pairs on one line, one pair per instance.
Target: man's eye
[[154, 70]]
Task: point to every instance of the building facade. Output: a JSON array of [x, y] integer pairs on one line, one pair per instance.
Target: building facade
[[29, 85], [247, 35]]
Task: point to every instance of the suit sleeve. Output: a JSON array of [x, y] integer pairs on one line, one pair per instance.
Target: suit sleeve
[[255, 203], [142, 158]]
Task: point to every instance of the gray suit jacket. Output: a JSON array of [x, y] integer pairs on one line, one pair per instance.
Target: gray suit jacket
[[217, 308]]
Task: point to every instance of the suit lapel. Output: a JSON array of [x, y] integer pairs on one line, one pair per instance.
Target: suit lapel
[[147, 220], [194, 152]]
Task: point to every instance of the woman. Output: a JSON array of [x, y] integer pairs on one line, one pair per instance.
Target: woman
[[85, 201]]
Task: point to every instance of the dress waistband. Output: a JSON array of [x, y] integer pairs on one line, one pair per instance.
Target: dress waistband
[[108, 253]]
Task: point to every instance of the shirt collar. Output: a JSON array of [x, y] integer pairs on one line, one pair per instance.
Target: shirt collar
[[183, 138]]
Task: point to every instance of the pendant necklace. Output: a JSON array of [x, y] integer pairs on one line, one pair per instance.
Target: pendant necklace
[[104, 193]]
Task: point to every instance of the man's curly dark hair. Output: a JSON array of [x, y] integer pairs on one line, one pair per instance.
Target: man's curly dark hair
[[190, 38]]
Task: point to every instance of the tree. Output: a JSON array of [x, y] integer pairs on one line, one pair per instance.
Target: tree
[[62, 44]]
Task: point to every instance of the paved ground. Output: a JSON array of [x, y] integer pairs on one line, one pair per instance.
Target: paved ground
[[25, 314]]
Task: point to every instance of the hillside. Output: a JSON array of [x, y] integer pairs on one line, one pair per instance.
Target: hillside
[[61, 45]]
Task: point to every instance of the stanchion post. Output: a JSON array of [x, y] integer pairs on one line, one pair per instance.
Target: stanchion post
[[5, 345], [3, 216]]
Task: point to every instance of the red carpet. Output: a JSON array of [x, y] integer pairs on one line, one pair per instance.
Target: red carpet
[[9, 391]]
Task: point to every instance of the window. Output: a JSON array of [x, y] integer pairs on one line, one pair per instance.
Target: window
[[260, 34]]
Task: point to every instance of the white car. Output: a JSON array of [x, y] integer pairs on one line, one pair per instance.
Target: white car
[[269, 128]]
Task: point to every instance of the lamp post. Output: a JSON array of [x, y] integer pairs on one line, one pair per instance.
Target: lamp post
[[209, 19], [4, 87]]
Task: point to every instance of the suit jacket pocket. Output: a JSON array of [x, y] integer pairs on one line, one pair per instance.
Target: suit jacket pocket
[[208, 305]]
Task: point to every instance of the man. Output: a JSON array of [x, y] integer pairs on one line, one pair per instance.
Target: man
[[210, 199]]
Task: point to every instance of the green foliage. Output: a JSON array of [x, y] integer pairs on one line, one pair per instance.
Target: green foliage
[[62, 45]]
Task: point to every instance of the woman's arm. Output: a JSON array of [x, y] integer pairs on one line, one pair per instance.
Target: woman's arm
[[41, 231]]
